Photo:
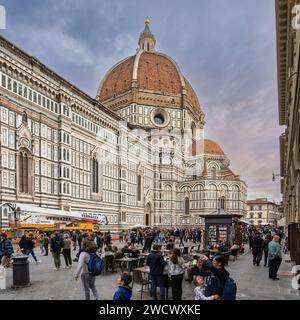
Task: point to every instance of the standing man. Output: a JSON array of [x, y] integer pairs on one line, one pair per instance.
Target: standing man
[[30, 247], [266, 242], [157, 263], [46, 244], [274, 257], [181, 235], [257, 245], [74, 240], [56, 248]]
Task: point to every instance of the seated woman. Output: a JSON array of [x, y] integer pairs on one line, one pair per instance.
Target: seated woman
[[126, 249], [219, 275], [117, 253]]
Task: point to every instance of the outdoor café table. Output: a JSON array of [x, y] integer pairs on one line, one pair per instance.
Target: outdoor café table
[[127, 261], [144, 254]]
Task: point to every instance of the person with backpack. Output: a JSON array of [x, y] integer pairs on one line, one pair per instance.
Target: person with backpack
[[23, 244], [56, 245], [89, 265], [124, 291], [219, 283], [30, 247], [6, 250]]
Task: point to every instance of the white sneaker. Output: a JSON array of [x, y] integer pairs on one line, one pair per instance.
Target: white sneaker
[[55, 269], [39, 261]]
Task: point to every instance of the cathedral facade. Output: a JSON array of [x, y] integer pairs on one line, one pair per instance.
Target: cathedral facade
[[135, 153]]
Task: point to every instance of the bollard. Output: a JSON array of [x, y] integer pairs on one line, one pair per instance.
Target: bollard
[[2, 278]]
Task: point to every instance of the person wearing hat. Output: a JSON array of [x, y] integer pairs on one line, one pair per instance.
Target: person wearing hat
[[88, 281]]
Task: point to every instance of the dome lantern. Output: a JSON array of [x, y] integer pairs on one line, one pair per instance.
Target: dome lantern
[[147, 40]]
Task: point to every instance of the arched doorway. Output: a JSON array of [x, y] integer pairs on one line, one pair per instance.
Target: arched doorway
[[147, 218]]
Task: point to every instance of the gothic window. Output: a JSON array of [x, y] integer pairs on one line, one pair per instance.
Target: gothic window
[[139, 187], [186, 206], [23, 172], [213, 173], [251, 215], [24, 117], [222, 203], [95, 175]]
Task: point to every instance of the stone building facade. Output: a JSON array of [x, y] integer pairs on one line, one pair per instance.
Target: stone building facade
[[262, 212], [288, 55], [135, 153]]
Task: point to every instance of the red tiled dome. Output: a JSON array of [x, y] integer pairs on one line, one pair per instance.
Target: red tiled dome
[[211, 147], [152, 71]]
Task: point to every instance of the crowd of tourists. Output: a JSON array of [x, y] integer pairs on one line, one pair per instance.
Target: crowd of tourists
[[166, 270]]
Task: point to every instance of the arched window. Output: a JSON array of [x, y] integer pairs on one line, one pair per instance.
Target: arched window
[[95, 176], [187, 206], [24, 117], [251, 215], [148, 49], [139, 188], [213, 173], [23, 172], [222, 203], [194, 142]]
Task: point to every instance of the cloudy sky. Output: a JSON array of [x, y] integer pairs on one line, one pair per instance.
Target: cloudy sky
[[226, 48]]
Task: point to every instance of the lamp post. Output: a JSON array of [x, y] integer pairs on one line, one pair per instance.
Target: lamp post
[[17, 212]]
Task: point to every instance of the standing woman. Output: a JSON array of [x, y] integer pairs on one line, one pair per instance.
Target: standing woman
[[66, 250], [176, 271], [265, 247], [42, 243]]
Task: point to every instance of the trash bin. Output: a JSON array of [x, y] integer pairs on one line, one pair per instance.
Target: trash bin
[[20, 270]]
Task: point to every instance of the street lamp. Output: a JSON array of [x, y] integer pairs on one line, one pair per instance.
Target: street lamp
[[16, 211]]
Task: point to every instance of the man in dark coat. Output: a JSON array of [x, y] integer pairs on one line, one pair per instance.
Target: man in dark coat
[[156, 263], [257, 246]]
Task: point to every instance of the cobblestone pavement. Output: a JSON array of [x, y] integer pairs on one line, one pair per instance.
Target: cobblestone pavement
[[47, 284]]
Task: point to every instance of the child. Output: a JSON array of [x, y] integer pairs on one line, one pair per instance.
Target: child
[[124, 291], [200, 289]]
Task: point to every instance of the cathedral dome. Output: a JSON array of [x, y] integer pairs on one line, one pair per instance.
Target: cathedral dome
[[148, 77], [211, 147]]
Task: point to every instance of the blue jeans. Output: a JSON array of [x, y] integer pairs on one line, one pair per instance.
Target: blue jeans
[[158, 281], [30, 251]]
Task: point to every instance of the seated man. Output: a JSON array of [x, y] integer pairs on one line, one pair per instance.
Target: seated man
[[108, 260], [117, 253], [126, 249]]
